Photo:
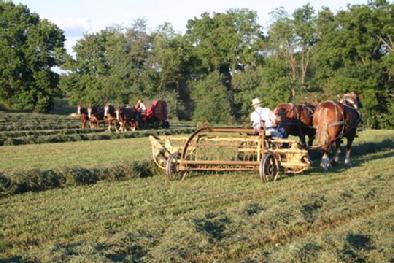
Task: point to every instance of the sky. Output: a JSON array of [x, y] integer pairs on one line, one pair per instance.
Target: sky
[[78, 17]]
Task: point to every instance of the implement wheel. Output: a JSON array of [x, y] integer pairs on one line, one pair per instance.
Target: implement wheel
[[171, 171], [268, 168]]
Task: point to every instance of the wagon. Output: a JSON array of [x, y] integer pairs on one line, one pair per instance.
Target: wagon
[[228, 149], [155, 116]]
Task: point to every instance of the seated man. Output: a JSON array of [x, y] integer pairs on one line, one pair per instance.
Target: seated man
[[140, 109], [264, 116]]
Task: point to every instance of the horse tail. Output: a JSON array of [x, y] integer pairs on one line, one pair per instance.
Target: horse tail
[[322, 128]]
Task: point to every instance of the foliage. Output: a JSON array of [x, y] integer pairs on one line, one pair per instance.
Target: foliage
[[29, 48], [351, 55], [304, 54], [211, 101]]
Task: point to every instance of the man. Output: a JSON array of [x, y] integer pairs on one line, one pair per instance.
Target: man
[[141, 106], [263, 116]]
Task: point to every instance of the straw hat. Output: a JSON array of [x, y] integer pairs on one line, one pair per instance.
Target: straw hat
[[256, 102]]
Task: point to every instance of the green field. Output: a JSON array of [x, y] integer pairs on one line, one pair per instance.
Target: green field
[[81, 153], [346, 215]]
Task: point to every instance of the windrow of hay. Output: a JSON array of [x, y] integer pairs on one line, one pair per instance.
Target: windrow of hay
[[36, 180], [65, 137]]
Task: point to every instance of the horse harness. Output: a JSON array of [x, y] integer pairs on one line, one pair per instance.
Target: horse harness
[[343, 122]]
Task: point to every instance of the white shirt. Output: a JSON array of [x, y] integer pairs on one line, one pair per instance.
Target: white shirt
[[262, 114], [142, 107]]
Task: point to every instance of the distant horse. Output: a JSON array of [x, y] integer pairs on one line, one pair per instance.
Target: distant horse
[[96, 116], [83, 115], [110, 116], [333, 121], [126, 117], [297, 120]]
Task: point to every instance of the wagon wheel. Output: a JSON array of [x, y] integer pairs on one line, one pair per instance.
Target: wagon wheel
[[165, 125], [268, 168], [171, 171]]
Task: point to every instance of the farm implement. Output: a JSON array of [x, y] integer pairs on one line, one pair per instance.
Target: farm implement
[[226, 150]]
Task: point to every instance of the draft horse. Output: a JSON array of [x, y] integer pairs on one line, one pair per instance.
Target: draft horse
[[297, 120], [96, 116], [110, 116], [126, 117], [334, 120], [83, 115]]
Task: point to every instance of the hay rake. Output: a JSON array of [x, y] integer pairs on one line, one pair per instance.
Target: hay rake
[[226, 150]]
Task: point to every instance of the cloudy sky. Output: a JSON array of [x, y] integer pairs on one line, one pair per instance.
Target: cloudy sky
[[77, 17]]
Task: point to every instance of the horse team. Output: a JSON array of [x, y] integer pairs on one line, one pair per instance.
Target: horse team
[[329, 121], [123, 118]]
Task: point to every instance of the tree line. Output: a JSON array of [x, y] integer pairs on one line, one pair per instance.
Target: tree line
[[213, 70]]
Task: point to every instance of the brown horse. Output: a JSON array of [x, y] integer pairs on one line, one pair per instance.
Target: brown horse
[[333, 121], [83, 115], [126, 117], [96, 116], [110, 116], [297, 120]]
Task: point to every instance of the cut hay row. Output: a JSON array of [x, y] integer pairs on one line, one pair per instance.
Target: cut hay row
[[35, 121], [94, 135], [17, 134], [36, 180]]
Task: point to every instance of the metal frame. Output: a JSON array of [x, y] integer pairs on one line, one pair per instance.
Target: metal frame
[[228, 149]]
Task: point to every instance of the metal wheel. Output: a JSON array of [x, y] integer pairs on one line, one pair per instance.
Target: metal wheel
[[171, 171], [268, 168]]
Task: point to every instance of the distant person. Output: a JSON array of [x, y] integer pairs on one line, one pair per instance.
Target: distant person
[[140, 106], [264, 116]]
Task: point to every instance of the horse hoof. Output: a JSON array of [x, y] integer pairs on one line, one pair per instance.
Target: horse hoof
[[348, 165]]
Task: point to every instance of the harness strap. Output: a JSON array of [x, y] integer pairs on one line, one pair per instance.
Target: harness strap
[[336, 123]]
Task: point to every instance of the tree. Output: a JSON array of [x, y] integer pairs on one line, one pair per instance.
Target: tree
[[292, 39], [215, 108], [225, 42], [29, 48], [351, 55]]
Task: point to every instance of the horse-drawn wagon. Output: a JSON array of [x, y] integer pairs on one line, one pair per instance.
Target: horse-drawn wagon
[[228, 149]]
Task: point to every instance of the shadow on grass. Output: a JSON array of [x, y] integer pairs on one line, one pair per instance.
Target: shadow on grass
[[70, 249], [14, 259], [359, 153], [360, 242], [128, 247], [213, 225]]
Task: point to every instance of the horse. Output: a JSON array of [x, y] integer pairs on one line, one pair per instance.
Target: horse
[[297, 120], [334, 120], [126, 117], [110, 116], [83, 115], [96, 115]]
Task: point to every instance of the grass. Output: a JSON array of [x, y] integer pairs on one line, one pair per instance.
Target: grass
[[81, 153], [345, 215], [37, 128]]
